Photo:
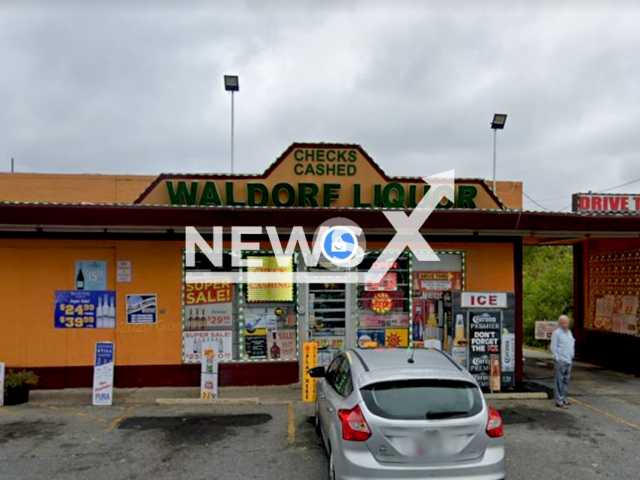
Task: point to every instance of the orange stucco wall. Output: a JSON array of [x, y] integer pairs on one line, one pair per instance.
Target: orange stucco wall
[[31, 270], [71, 188]]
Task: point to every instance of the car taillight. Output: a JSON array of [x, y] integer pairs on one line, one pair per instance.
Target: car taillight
[[494, 425], [354, 426]]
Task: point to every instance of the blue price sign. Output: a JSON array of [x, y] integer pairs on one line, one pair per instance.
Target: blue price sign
[[78, 309]]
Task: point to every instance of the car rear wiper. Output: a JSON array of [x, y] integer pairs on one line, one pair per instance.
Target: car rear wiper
[[437, 415]]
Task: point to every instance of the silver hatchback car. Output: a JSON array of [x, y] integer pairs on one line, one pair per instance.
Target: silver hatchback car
[[390, 414]]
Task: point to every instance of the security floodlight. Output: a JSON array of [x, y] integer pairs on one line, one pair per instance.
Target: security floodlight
[[231, 83], [499, 119]]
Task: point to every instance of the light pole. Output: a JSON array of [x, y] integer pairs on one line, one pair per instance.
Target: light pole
[[232, 85], [499, 119]]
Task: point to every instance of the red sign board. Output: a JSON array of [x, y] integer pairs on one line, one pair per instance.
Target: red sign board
[[596, 202]]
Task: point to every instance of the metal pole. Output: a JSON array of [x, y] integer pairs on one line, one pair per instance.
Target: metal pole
[[495, 135], [12, 165], [232, 106]]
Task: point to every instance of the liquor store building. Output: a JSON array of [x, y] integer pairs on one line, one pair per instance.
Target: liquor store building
[[88, 258]]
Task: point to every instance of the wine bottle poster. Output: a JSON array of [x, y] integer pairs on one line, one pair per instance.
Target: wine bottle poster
[[84, 309], [90, 275], [281, 344], [222, 341]]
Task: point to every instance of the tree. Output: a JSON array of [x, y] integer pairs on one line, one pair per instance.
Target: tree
[[548, 287]]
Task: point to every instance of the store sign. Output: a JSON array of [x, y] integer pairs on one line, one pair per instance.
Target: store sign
[[313, 176], [220, 339], [91, 275], [594, 202], [103, 367], [2, 376], [390, 195], [485, 327], [209, 371], [483, 299], [261, 291], [309, 361], [437, 281], [84, 309], [142, 309]]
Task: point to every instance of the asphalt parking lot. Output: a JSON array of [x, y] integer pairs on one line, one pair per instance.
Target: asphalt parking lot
[[597, 438]]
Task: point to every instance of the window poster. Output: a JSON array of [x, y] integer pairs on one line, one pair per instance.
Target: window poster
[[208, 305], [269, 282], [396, 337], [282, 344], [91, 275], [221, 340], [371, 335], [389, 283], [485, 328]]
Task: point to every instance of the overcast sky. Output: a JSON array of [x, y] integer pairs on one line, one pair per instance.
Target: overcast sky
[[118, 89]]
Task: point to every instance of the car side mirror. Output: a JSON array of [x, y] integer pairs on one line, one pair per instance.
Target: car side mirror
[[317, 372]]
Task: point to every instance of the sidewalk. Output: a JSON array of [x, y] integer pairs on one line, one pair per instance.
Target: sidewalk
[[140, 396], [586, 378]]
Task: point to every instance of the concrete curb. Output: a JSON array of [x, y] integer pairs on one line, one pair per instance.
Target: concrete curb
[[517, 396], [208, 401]]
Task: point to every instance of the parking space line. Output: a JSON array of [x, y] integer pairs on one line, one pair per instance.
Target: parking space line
[[291, 423], [118, 420], [610, 415]]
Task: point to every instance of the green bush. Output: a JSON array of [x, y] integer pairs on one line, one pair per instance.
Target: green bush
[[17, 379], [547, 287]]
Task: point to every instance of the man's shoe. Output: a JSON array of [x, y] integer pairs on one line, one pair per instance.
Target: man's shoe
[[564, 406], [566, 402]]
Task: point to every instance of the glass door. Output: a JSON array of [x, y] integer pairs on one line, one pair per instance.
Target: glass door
[[328, 310]]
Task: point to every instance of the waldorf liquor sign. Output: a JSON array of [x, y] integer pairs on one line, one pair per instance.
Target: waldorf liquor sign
[[312, 176]]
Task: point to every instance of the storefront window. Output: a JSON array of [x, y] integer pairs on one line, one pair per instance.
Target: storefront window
[[432, 286], [254, 320], [209, 314], [267, 311], [383, 307]]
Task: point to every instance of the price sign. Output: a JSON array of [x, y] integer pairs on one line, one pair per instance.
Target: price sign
[[85, 309]]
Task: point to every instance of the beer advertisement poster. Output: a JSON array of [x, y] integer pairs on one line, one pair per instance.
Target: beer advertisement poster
[[142, 309], [485, 327]]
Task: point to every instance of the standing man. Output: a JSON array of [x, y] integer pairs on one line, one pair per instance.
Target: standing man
[[562, 349]]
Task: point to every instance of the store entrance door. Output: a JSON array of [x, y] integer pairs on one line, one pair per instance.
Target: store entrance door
[[329, 315]]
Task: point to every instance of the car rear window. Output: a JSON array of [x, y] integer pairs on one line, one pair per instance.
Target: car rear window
[[422, 399]]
